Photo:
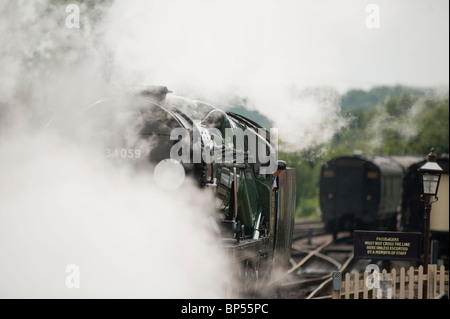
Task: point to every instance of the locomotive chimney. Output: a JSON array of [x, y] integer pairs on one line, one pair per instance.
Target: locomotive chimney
[[158, 93]]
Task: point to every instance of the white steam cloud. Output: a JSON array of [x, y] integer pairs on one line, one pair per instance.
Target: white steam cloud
[[63, 205], [258, 51]]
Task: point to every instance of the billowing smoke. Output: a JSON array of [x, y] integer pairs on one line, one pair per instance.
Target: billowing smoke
[[287, 59], [259, 52], [74, 224], [63, 206]]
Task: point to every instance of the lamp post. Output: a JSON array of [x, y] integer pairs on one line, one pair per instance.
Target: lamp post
[[430, 175]]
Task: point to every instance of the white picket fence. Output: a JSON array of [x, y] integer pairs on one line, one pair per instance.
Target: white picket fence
[[403, 284]]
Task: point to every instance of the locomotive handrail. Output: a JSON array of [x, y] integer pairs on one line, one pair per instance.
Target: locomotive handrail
[[233, 165]]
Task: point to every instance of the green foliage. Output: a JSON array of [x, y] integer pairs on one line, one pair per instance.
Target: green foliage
[[308, 208], [433, 127], [398, 105], [359, 100], [386, 121], [367, 100]]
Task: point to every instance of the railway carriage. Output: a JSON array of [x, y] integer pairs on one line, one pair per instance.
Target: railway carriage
[[362, 192]]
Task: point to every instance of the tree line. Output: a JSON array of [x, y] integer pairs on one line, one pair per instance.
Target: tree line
[[387, 120]]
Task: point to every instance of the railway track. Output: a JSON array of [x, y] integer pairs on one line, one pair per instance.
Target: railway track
[[308, 229], [313, 259]]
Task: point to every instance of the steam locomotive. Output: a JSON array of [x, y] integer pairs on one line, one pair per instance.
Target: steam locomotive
[[227, 155]]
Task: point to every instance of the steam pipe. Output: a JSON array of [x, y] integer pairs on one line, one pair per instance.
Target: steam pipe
[[256, 229]]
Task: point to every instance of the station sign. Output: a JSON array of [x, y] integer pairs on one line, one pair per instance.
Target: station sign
[[387, 245]]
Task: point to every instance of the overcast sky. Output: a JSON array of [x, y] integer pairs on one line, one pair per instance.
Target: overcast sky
[[410, 46], [326, 42], [265, 43], [263, 51]]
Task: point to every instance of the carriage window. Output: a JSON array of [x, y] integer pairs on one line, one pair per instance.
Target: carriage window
[[328, 173], [372, 175]]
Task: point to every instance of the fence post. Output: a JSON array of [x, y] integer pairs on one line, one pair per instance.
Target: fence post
[[394, 282], [347, 286], [432, 281], [420, 283], [356, 286], [374, 289], [411, 283], [365, 288], [402, 283], [442, 279]]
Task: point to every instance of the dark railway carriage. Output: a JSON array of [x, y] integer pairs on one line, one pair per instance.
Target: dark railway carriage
[[360, 192], [413, 210]]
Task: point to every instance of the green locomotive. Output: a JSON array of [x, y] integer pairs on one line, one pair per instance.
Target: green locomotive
[[229, 156]]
